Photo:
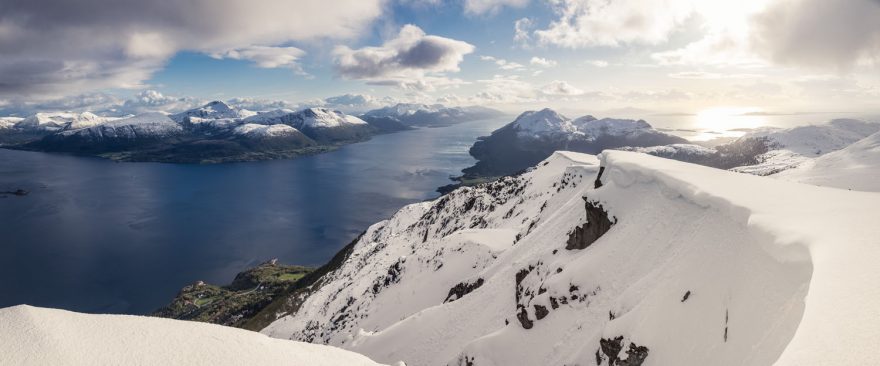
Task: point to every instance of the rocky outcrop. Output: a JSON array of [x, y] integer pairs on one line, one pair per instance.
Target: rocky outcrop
[[597, 225], [609, 353], [462, 289]]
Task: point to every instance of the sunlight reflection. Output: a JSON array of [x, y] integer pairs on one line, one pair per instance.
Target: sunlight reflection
[[727, 122]]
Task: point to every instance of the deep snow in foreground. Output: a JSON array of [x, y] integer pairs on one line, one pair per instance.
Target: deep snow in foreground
[[700, 266], [39, 336]]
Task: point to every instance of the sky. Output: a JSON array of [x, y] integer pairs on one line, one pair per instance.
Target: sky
[[580, 56]]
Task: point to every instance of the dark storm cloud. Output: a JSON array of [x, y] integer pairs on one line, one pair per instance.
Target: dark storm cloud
[[63, 47], [837, 33]]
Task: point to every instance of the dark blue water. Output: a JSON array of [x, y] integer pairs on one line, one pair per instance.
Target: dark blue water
[[99, 236]]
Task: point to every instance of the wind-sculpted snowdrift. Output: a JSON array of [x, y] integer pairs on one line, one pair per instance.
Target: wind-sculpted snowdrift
[[39, 336], [679, 265]]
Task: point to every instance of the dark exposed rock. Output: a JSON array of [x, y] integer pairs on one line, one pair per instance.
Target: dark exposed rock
[[597, 225], [541, 312], [520, 276], [726, 319], [611, 348], [686, 296], [461, 289], [523, 316], [598, 182]]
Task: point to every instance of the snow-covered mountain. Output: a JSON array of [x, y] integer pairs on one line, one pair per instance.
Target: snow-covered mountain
[[534, 135], [855, 167], [789, 148], [9, 122], [626, 259], [58, 121], [769, 151], [320, 124], [422, 115], [543, 123], [214, 132], [147, 128], [272, 136], [210, 111], [262, 131], [39, 336]]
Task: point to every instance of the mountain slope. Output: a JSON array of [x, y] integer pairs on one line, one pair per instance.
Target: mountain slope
[[38, 336], [791, 147], [855, 167], [769, 150], [535, 135], [658, 262], [123, 134]]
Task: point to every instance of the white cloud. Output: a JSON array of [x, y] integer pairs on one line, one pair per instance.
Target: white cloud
[[540, 61], [561, 88], [598, 63], [711, 75], [65, 47], [104, 104], [505, 90], [266, 57], [503, 64], [491, 6], [154, 101], [260, 104], [585, 23], [412, 60], [521, 28]]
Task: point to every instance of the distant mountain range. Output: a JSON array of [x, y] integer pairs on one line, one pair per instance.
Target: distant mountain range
[[535, 135], [217, 132], [406, 115]]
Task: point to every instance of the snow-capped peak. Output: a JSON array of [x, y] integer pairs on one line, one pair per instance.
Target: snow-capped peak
[[327, 118], [258, 130], [213, 110], [56, 121], [150, 125], [543, 122]]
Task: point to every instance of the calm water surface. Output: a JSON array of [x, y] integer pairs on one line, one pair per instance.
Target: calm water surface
[[99, 236]]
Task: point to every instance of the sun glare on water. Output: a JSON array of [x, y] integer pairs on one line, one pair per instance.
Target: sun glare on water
[[727, 121]]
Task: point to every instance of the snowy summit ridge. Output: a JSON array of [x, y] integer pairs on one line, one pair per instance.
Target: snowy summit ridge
[[567, 265]]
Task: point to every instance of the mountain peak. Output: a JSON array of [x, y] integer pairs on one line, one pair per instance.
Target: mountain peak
[[545, 121]]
